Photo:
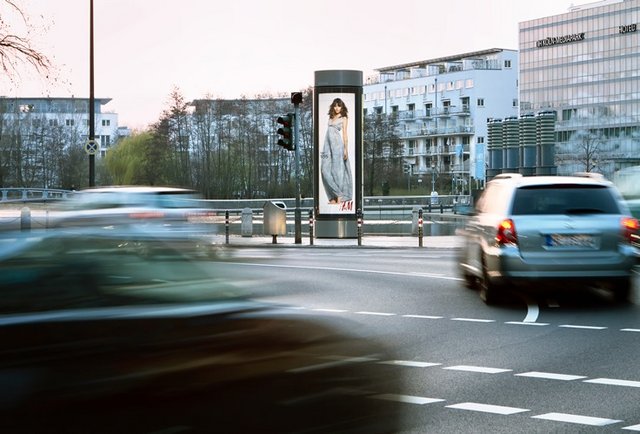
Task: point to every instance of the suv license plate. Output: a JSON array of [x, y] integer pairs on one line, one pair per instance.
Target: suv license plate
[[572, 240]]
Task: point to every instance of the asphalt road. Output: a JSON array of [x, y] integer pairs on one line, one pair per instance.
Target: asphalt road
[[562, 362]]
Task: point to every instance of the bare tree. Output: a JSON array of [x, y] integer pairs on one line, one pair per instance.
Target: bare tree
[[16, 48], [588, 149]]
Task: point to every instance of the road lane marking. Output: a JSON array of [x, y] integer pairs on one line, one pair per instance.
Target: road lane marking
[[550, 376], [630, 330], [473, 320], [481, 369], [527, 323], [375, 313], [330, 310], [575, 418], [423, 316], [486, 408], [614, 382], [353, 270], [571, 326], [420, 400], [410, 363], [632, 428]]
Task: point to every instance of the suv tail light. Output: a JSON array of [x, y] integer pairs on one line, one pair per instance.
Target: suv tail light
[[506, 234], [630, 228]]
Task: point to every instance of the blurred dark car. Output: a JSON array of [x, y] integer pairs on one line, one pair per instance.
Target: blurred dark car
[[108, 331], [563, 230], [172, 207]]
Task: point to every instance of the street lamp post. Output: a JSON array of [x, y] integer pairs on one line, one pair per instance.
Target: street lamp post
[[433, 177], [92, 157]]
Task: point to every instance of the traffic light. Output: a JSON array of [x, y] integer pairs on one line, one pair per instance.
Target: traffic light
[[285, 132]]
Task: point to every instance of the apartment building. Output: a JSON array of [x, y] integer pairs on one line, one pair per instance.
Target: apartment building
[[443, 106], [35, 116]]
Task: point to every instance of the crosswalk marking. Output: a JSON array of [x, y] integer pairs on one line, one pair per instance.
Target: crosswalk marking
[[486, 408], [614, 382], [420, 400], [410, 363], [480, 369], [550, 376], [575, 418]]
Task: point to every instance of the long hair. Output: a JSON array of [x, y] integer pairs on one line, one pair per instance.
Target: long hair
[[343, 112]]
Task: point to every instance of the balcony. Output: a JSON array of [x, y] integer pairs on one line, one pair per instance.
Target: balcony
[[432, 132]]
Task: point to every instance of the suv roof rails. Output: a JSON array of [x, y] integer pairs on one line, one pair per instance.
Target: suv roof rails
[[508, 175], [593, 175]]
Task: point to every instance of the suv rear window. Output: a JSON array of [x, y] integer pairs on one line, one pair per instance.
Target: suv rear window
[[564, 199]]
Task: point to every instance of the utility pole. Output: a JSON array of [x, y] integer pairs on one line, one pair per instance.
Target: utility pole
[[92, 115]]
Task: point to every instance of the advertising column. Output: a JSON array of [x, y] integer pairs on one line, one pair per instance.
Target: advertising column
[[337, 129]]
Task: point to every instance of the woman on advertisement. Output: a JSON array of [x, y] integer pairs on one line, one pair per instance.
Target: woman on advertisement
[[335, 167]]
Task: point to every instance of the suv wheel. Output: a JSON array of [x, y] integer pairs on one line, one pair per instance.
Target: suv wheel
[[622, 289], [489, 292]]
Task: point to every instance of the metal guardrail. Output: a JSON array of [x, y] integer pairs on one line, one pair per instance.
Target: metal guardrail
[[11, 195]]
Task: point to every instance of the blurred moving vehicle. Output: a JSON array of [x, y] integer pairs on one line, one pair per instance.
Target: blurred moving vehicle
[[110, 330], [627, 181], [122, 205], [568, 230]]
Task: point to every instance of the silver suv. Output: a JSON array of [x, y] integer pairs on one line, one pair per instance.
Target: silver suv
[[571, 230]]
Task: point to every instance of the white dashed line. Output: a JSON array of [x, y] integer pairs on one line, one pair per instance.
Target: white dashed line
[[422, 316], [630, 330], [570, 326], [614, 382], [407, 399], [375, 313], [550, 376], [574, 418], [473, 320], [486, 408], [632, 428], [527, 323], [410, 363], [480, 369], [331, 310]]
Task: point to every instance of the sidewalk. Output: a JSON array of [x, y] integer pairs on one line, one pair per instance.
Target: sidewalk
[[369, 241]]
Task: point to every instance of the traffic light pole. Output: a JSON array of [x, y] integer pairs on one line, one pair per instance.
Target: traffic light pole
[[296, 140]]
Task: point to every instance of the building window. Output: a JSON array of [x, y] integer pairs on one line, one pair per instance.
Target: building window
[[507, 63], [69, 122], [480, 102], [515, 102], [105, 141], [480, 139], [411, 107], [53, 122], [106, 122], [469, 83]]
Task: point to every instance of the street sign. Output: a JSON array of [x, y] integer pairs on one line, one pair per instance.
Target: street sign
[[91, 147]]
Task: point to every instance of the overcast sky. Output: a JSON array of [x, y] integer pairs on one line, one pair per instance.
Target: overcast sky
[[227, 49]]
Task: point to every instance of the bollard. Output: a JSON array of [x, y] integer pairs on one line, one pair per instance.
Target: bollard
[[25, 219], [359, 217], [420, 227], [274, 239], [441, 209], [311, 227], [429, 209], [226, 226]]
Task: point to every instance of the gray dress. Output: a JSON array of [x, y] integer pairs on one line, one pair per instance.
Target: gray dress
[[335, 170]]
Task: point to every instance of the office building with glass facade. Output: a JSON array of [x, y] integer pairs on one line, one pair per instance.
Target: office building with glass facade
[[585, 66]]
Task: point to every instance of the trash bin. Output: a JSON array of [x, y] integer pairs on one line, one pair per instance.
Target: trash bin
[[274, 218], [247, 222]]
